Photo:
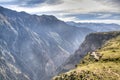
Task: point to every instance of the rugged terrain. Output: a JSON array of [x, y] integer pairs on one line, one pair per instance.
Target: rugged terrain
[[106, 68], [32, 47]]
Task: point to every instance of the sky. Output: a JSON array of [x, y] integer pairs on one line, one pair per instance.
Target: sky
[[98, 11]]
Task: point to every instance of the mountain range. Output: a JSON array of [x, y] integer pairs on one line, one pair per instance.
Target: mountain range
[[98, 27], [33, 47], [36, 45]]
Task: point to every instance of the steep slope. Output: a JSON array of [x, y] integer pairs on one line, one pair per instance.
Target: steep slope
[[106, 68], [98, 27], [92, 42], [38, 44], [8, 70]]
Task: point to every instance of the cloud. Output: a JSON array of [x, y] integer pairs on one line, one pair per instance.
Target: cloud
[[102, 16], [68, 18], [100, 21], [30, 3], [113, 3], [68, 6], [54, 2], [95, 16], [5, 1], [75, 10], [33, 2]]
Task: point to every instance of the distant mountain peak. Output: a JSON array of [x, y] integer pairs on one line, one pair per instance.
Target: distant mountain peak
[[48, 16]]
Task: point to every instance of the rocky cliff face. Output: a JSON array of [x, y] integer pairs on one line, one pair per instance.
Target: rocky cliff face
[[103, 64], [35, 45], [8, 68], [92, 42]]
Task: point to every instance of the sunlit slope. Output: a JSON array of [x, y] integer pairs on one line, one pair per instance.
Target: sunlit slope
[[107, 68]]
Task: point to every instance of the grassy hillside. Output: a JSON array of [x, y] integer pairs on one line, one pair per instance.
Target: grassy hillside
[[107, 68]]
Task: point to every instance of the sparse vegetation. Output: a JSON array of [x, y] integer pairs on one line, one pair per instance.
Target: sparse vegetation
[[107, 68]]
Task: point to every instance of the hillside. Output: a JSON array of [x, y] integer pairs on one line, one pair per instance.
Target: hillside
[[33, 47], [35, 44], [92, 42], [106, 68]]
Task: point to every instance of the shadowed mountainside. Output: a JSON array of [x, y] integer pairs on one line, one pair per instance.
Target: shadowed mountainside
[[35, 45]]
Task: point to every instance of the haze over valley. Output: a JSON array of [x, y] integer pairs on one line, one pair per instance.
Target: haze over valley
[[42, 38]]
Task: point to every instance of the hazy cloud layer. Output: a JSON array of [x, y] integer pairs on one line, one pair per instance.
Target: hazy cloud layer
[[30, 3], [68, 10], [38, 2], [111, 2]]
